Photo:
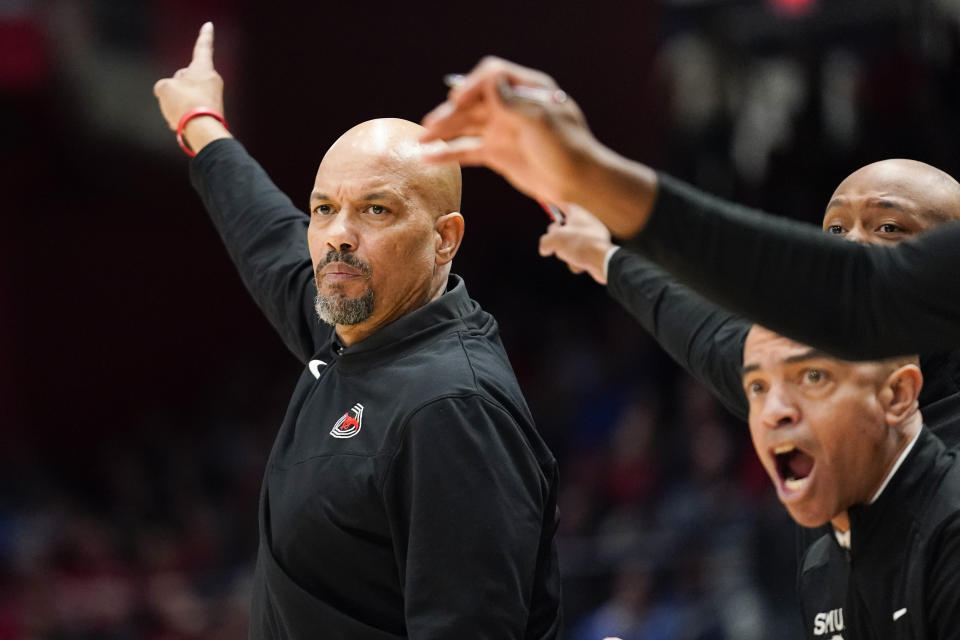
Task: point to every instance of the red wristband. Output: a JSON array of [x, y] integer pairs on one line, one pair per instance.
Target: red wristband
[[187, 117]]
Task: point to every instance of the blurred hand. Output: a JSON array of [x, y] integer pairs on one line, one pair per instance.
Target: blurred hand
[[535, 138], [196, 85], [582, 242]]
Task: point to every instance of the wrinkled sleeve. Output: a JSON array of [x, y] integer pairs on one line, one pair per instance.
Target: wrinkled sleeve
[[465, 500], [265, 236], [853, 300], [704, 339]]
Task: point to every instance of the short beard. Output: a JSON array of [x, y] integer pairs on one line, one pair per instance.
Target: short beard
[[338, 309]]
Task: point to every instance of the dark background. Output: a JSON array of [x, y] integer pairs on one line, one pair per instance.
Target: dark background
[[140, 388]]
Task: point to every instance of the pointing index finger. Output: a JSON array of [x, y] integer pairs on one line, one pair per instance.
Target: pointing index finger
[[203, 49]]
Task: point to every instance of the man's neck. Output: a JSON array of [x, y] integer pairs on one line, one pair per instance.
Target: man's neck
[[911, 433], [841, 522], [350, 334]]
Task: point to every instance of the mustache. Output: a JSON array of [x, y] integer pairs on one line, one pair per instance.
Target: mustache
[[346, 258]]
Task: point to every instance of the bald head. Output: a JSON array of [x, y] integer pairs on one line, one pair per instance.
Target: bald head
[[935, 192], [384, 227], [392, 144]]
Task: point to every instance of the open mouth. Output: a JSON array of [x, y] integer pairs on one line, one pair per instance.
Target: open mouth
[[793, 466]]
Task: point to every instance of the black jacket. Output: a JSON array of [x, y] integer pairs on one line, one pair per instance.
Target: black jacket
[[708, 340], [900, 580], [408, 493], [854, 300]]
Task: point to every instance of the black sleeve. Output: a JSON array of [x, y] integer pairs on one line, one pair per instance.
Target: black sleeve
[[266, 237], [943, 585], [854, 300], [704, 339], [465, 504]]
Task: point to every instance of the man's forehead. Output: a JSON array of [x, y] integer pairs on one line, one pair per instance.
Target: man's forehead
[[373, 188], [906, 186], [387, 141], [357, 164], [388, 150], [766, 348]]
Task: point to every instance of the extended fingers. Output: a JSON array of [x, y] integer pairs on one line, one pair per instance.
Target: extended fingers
[[468, 151], [482, 91], [203, 49], [453, 120], [494, 71], [550, 239]]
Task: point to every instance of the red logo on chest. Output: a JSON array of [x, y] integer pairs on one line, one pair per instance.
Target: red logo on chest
[[349, 423]]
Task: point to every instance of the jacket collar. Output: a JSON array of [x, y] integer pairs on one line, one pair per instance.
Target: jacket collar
[[890, 516], [943, 418], [409, 330]]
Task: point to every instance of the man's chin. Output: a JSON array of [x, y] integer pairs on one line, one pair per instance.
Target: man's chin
[[808, 518], [339, 309]]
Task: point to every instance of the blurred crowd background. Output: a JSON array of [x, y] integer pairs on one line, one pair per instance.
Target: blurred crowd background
[[140, 388]]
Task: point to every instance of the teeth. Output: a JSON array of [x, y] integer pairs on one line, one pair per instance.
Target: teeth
[[783, 448], [793, 483]]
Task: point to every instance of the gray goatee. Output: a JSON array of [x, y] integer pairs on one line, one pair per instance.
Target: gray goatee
[[339, 309]]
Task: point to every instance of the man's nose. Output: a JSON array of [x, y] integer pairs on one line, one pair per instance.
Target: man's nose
[[779, 409], [857, 234], [341, 234]]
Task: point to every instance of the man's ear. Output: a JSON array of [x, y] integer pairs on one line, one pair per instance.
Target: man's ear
[[902, 388], [449, 230]]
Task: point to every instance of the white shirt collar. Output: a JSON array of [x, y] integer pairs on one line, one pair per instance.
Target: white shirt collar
[[843, 538], [896, 466]]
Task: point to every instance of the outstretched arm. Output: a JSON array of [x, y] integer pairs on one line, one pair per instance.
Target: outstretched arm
[[704, 339], [855, 301], [265, 234]]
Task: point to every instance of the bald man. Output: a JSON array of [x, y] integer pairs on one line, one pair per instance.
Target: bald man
[[408, 493], [882, 203]]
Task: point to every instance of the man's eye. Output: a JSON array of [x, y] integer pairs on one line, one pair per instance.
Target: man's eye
[[835, 229], [814, 376], [889, 227], [323, 209], [754, 388], [378, 210]]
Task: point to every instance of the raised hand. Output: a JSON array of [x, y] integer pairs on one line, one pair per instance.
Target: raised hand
[[196, 85], [517, 122], [582, 242]]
